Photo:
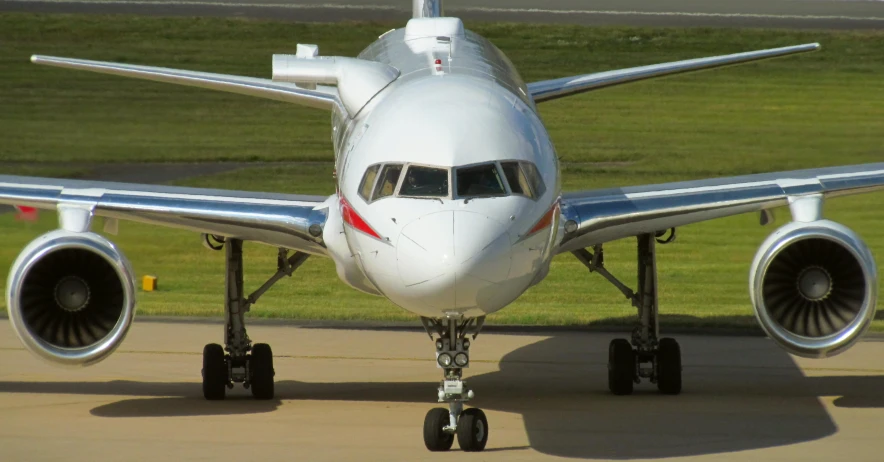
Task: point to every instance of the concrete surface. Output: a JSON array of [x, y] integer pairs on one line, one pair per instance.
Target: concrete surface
[[362, 395]]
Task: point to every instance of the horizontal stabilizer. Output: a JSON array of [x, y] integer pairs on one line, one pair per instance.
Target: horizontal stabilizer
[[551, 89], [251, 86]]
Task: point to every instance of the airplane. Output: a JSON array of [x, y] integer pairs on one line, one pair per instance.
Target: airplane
[[448, 203]]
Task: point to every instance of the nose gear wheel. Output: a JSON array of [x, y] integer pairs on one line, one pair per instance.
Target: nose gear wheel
[[435, 438], [472, 430]]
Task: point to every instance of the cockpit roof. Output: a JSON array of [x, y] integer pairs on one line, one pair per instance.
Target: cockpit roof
[[437, 121]]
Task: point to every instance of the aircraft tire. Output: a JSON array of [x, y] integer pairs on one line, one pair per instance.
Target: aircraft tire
[[214, 372], [669, 366], [621, 367], [435, 438], [472, 430], [261, 371]]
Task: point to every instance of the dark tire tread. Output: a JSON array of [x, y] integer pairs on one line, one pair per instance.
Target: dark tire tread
[[472, 430], [435, 439], [621, 367], [669, 366], [214, 372], [261, 371]]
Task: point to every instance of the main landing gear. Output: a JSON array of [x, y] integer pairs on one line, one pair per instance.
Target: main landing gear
[[452, 356], [645, 355], [243, 362]]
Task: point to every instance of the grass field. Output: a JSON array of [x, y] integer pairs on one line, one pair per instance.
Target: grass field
[[825, 108]]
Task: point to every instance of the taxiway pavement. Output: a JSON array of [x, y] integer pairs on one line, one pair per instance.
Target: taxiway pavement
[[362, 395], [828, 14]]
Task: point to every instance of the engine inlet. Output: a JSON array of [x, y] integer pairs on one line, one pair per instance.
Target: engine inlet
[[72, 298], [814, 288]]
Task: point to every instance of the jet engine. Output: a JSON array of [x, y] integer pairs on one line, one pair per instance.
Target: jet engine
[[71, 297], [814, 288]]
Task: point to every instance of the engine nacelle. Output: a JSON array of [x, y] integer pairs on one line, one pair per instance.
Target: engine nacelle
[[71, 297], [814, 287]]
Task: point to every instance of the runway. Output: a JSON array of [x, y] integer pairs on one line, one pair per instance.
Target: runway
[[362, 395], [804, 14]]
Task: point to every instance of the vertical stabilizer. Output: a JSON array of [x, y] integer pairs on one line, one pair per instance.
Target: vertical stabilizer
[[426, 8]]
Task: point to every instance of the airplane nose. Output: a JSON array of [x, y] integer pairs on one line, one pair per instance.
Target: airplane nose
[[451, 260]]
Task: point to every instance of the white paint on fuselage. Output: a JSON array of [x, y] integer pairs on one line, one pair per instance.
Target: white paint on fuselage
[[452, 255]]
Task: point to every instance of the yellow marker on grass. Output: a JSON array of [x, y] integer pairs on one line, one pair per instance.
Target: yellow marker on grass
[[149, 283]]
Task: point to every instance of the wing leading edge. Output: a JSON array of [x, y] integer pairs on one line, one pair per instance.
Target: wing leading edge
[[321, 97], [551, 89], [280, 220], [605, 215]]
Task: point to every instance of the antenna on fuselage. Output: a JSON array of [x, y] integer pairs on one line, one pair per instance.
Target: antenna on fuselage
[[426, 9]]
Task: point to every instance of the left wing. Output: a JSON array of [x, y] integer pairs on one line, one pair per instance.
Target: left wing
[[280, 220], [595, 217], [551, 89]]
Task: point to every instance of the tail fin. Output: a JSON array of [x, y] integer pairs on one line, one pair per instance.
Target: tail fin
[[426, 9]]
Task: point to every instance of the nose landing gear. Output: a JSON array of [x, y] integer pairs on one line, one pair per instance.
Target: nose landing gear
[[452, 356]]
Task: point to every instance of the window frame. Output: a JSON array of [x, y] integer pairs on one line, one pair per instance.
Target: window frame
[[530, 194], [534, 195], [377, 178], [452, 180], [374, 182], [528, 178], [500, 175], [408, 165]]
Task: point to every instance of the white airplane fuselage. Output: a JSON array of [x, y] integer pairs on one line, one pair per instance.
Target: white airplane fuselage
[[458, 102]]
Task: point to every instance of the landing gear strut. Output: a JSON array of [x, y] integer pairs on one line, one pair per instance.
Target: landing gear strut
[[645, 355], [243, 362], [452, 356]]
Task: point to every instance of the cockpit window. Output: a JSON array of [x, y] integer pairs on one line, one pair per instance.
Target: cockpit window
[[484, 180], [423, 181], [481, 180], [387, 183], [534, 178], [516, 178], [368, 182]]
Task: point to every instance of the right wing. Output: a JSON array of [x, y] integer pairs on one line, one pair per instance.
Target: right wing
[[322, 97], [281, 220], [598, 216]]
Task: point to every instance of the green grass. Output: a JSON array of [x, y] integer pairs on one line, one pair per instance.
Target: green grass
[[821, 109]]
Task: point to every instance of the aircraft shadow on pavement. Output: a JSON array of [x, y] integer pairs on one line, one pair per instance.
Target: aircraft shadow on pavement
[[735, 398]]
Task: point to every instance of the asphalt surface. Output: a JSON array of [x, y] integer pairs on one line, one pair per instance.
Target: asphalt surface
[[827, 14], [362, 395]]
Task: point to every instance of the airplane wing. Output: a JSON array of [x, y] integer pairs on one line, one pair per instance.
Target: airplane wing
[[322, 97], [280, 220], [551, 89], [595, 217]]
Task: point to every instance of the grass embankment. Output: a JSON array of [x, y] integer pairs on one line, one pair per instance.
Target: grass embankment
[[825, 108]]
